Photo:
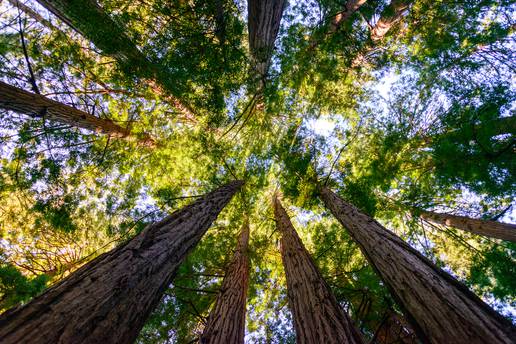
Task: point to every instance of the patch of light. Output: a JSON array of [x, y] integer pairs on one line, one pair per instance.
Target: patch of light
[[321, 126]]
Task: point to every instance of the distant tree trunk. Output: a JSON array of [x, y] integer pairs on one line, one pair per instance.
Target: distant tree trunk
[[493, 229], [109, 299], [89, 19], [394, 329], [318, 318], [441, 309], [24, 102], [264, 18], [350, 7], [31, 13], [391, 15], [226, 322], [337, 21]]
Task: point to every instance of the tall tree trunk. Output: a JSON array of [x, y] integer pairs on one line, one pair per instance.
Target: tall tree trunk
[[394, 329], [318, 318], [493, 229], [350, 7], [441, 309], [109, 299], [338, 20], [24, 102], [226, 322], [91, 21], [391, 15], [264, 18]]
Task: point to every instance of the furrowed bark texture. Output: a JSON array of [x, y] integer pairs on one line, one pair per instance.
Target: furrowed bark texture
[[389, 17], [264, 18], [441, 309], [24, 102], [226, 322], [394, 329], [493, 229], [318, 318], [91, 21], [109, 299]]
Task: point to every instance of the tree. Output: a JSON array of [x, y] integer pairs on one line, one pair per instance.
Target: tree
[[440, 308], [317, 315], [264, 18], [226, 322], [493, 229], [109, 299], [24, 102]]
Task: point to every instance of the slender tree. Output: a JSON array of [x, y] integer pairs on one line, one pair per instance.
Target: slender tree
[[89, 19], [226, 322], [391, 15], [318, 318], [441, 309], [109, 299], [493, 229], [24, 102]]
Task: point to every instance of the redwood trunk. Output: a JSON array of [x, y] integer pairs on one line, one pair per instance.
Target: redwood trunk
[[394, 329], [441, 309], [24, 102], [109, 299], [226, 322], [390, 16], [91, 21], [493, 229], [350, 7], [264, 18], [318, 318]]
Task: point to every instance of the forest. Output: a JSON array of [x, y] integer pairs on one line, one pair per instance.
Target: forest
[[258, 171]]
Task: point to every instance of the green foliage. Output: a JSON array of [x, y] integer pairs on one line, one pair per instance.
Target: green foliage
[[419, 120], [16, 288]]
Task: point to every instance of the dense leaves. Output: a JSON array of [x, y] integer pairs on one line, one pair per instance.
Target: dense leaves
[[420, 118]]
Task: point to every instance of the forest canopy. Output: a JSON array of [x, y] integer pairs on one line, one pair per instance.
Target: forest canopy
[[115, 114]]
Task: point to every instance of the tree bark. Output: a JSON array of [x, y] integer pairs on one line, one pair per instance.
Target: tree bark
[[318, 318], [24, 102], [492, 229], [389, 17], [350, 7], [226, 322], [264, 18], [394, 329], [441, 309], [91, 21], [109, 299]]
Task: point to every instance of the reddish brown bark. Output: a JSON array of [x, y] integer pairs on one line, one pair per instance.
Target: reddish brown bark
[[350, 7], [226, 322], [21, 101], [493, 229], [394, 330], [109, 299], [318, 318], [89, 19], [441, 309], [264, 18], [392, 14]]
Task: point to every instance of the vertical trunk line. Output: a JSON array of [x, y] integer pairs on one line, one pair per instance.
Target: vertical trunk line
[[318, 318], [109, 299], [441, 309]]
